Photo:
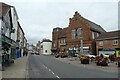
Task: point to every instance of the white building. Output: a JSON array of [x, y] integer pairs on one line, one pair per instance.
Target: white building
[[45, 47], [14, 23]]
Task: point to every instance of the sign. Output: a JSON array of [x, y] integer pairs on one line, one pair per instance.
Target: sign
[[7, 40]]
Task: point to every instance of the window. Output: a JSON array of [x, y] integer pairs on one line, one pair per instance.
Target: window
[[97, 34], [93, 36], [64, 40], [101, 43], [115, 42], [73, 34], [76, 33], [54, 44]]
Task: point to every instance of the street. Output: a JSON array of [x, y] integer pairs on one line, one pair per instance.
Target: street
[[40, 66]]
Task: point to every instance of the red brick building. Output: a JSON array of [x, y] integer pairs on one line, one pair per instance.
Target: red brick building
[[108, 43], [68, 39]]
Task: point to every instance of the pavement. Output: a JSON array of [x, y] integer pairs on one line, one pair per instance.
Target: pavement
[[112, 67], [16, 70]]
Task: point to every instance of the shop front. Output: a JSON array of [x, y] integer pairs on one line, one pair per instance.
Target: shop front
[[8, 49], [109, 51], [117, 52]]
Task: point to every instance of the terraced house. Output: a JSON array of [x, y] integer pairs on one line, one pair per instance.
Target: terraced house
[[80, 31], [108, 43]]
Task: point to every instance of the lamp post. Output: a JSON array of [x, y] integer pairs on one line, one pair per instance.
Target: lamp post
[[79, 33]]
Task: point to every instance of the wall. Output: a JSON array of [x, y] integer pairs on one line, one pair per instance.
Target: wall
[[47, 46], [107, 44]]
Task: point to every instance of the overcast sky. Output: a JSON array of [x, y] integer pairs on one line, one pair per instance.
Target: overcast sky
[[39, 17]]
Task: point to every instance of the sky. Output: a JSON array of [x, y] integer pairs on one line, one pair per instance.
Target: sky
[[39, 17]]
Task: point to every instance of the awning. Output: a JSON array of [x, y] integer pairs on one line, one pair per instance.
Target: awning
[[7, 40]]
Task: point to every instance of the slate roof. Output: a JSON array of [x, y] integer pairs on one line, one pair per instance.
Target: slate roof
[[46, 40], [109, 35], [4, 8], [94, 26]]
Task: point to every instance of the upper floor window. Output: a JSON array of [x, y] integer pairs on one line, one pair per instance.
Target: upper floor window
[[115, 42], [101, 43], [93, 36], [77, 33], [73, 34], [97, 34]]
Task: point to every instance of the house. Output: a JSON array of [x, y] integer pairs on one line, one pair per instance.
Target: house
[[46, 45], [108, 43], [20, 40], [7, 43], [78, 37]]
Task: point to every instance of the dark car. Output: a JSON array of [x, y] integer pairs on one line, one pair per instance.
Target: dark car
[[32, 53], [37, 53], [119, 63]]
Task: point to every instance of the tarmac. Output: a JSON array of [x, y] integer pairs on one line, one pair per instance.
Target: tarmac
[[16, 70]]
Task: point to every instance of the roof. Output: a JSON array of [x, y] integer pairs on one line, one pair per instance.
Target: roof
[[62, 33], [20, 27], [94, 26], [4, 8], [46, 40], [109, 35]]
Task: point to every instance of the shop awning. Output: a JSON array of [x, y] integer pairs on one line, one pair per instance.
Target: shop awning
[[7, 40]]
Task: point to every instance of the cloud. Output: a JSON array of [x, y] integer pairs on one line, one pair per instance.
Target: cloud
[[39, 17]]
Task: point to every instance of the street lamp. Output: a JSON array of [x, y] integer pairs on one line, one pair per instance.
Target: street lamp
[[79, 33]]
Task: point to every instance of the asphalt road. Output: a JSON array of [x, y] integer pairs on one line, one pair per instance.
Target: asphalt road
[[40, 66]]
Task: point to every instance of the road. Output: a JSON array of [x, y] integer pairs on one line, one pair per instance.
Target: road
[[40, 66]]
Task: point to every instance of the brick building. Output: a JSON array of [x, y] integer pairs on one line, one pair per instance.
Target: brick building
[[68, 39], [108, 43]]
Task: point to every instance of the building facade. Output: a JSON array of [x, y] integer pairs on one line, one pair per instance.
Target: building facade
[[45, 47], [79, 36], [108, 43], [20, 40], [8, 44]]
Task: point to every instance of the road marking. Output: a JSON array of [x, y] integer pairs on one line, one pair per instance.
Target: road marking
[[45, 66], [51, 71], [58, 77]]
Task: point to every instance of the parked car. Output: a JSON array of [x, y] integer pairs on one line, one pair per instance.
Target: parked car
[[37, 53], [119, 63], [32, 53]]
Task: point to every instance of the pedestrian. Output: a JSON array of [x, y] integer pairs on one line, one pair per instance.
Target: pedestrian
[[26, 53]]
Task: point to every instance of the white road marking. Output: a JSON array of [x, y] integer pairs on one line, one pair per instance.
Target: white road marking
[[57, 76], [45, 66], [51, 71]]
